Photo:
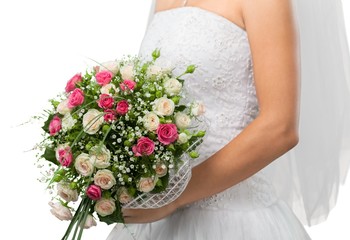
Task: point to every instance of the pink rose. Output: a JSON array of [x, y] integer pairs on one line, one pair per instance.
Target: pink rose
[[167, 133], [103, 77], [127, 85], [76, 98], [122, 107], [144, 146], [71, 83], [110, 115], [55, 125], [64, 156], [94, 192], [105, 101]]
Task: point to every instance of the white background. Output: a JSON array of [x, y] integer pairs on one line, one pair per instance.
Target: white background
[[42, 44]]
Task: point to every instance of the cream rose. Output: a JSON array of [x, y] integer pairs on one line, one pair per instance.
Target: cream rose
[[183, 138], [127, 72], [182, 120], [161, 169], [66, 193], [105, 207], [153, 71], [89, 222], [100, 156], [197, 109], [106, 89], [61, 212], [68, 122], [172, 86], [92, 121], [151, 121], [104, 179], [166, 65], [111, 66], [163, 106], [146, 184], [63, 108], [83, 165], [123, 195]]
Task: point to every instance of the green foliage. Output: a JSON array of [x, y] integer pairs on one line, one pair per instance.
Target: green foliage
[[46, 125], [161, 184], [50, 155]]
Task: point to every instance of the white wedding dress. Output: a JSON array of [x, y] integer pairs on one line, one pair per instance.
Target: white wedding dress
[[224, 81]]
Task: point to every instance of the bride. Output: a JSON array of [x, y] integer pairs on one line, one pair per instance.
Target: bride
[[250, 57]]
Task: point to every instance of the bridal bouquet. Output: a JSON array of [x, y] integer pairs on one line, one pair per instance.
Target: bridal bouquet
[[122, 134]]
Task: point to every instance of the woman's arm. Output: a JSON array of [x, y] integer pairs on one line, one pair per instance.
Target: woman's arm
[[273, 40]]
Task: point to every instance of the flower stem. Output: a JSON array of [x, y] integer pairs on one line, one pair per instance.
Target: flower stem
[[72, 222]]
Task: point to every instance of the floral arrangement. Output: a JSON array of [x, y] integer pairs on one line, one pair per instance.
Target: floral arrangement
[[118, 133]]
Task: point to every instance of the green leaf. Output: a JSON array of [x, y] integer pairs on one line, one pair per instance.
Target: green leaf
[[50, 155], [161, 184], [47, 123], [180, 108]]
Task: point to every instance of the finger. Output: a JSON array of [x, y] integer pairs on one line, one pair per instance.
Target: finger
[[126, 212]]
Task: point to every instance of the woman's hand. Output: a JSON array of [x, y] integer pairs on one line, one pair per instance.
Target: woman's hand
[[147, 215]]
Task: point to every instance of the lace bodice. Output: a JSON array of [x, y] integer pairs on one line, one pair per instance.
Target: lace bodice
[[223, 81]]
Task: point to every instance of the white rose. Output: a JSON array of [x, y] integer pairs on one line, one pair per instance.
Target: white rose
[[106, 89], [100, 156], [68, 122], [63, 108], [111, 66], [151, 121], [183, 138], [197, 109], [163, 106], [146, 184], [89, 222], [153, 71], [123, 195], [66, 193], [105, 179], [182, 120], [172, 86], [60, 211], [166, 65], [83, 165], [92, 121], [127, 72], [105, 207]]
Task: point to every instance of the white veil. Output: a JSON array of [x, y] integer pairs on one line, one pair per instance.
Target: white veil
[[309, 176]]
